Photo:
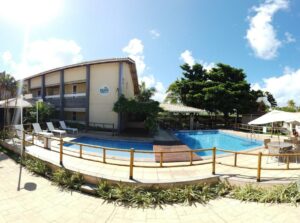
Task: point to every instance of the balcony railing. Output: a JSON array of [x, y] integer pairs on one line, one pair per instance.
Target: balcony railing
[[52, 96], [74, 95]]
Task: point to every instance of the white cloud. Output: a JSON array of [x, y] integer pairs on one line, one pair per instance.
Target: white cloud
[[283, 87], [187, 57], [206, 65], [42, 55], [135, 50], [261, 35], [289, 38], [154, 33]]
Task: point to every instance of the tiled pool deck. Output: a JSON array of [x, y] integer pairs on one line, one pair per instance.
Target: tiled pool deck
[[45, 203], [168, 174]]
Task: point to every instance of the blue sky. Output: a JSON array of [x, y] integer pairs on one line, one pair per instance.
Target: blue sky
[[260, 36]]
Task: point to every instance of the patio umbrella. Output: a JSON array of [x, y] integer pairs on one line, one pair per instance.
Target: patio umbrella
[[274, 116], [16, 103]]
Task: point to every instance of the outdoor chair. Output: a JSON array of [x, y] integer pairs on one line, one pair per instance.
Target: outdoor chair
[[37, 130], [19, 129], [64, 127], [273, 150], [266, 141], [53, 130]]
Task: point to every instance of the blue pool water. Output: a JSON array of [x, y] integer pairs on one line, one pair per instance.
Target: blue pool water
[[118, 144], [218, 139]]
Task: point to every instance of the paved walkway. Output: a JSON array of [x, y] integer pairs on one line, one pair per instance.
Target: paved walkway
[[39, 201]]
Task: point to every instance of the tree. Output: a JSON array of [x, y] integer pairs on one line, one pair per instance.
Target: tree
[[271, 99], [145, 93], [8, 89], [142, 105], [291, 104], [46, 111], [222, 89]]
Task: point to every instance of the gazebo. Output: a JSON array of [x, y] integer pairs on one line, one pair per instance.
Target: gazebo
[[182, 109]]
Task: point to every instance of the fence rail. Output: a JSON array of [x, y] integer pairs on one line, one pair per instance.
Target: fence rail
[[161, 162]]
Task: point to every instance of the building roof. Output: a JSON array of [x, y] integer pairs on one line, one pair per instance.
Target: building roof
[[128, 60], [179, 108]]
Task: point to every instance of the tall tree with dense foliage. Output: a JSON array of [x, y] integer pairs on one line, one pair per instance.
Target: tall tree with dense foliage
[[145, 93], [8, 89], [221, 89], [271, 99], [141, 105]]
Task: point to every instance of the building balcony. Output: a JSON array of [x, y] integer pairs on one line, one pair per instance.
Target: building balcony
[[74, 95]]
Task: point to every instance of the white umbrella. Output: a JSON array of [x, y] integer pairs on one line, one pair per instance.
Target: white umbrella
[[275, 116], [15, 103]]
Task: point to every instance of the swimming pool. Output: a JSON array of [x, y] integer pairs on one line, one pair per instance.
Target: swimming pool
[[221, 140], [117, 144]]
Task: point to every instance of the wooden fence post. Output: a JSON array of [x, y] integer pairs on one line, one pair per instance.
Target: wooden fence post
[[104, 155], [191, 157], [161, 159], [61, 151], [259, 167], [131, 163], [80, 151], [214, 161], [235, 159]]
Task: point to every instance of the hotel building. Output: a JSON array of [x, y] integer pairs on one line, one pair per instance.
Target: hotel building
[[86, 92]]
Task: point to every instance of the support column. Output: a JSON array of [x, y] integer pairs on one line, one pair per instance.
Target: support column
[[62, 93], [191, 121], [43, 90], [29, 86], [87, 93], [120, 92]]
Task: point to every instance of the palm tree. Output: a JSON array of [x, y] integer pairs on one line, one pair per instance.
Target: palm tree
[[145, 93], [8, 89], [291, 103]]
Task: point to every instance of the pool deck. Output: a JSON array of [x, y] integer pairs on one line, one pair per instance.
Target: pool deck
[[40, 201], [174, 157], [94, 169]]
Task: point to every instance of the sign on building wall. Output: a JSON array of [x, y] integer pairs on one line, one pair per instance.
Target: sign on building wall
[[104, 90]]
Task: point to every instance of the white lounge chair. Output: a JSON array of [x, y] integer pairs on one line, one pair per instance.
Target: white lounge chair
[[64, 127], [39, 131], [19, 130], [53, 130]]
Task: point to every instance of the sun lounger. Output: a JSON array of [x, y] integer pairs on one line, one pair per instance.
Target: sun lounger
[[19, 131], [64, 127], [53, 130], [39, 131]]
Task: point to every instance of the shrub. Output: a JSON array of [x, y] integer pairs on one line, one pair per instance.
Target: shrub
[[36, 166], [276, 194], [145, 197], [67, 179]]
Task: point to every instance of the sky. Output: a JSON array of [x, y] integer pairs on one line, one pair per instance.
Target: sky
[[260, 36]]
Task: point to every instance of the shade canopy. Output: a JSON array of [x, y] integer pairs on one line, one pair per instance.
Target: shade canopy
[[179, 108], [277, 116], [16, 103]]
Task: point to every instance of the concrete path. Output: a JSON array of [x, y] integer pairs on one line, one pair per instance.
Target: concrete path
[[40, 201]]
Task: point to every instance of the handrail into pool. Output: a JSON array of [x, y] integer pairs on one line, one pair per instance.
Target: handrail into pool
[[191, 162]]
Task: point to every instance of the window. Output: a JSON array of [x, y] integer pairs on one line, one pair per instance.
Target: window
[[39, 93], [74, 116], [74, 89]]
